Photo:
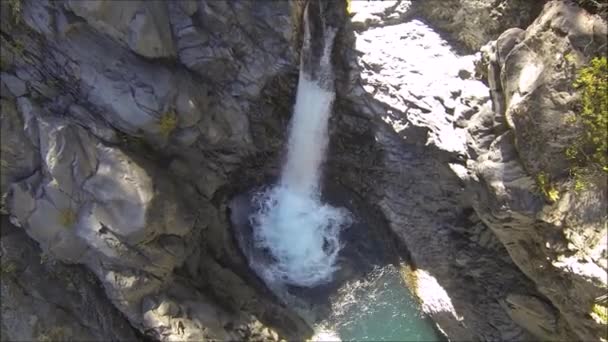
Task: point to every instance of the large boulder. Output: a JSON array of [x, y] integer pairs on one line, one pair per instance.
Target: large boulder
[[44, 300]]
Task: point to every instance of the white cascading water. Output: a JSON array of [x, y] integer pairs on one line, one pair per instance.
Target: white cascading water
[[299, 231]]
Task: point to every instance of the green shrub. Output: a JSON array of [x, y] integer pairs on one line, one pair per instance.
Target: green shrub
[[15, 6], [54, 334], [600, 312], [8, 268], [593, 81], [589, 151], [546, 187], [167, 123], [67, 217]]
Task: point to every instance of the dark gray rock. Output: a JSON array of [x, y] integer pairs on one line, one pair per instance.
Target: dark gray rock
[[18, 158], [47, 301], [142, 25]]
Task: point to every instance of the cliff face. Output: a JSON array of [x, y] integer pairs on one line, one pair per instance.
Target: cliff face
[[120, 122], [551, 219], [128, 126]]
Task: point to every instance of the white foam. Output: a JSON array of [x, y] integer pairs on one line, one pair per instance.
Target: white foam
[[325, 335], [301, 234]]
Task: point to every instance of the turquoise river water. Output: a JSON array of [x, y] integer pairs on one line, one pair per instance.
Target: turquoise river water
[[380, 308]]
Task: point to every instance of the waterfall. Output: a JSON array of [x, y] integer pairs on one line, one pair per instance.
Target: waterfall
[[291, 223]]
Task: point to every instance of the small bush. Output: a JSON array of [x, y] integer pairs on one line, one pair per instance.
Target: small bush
[[592, 146], [600, 312], [15, 6], [167, 123], [45, 257], [546, 187], [589, 152], [53, 334], [67, 217], [8, 268]]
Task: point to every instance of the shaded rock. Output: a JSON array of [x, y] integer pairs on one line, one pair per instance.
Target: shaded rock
[[48, 301], [18, 156], [142, 25], [473, 22], [532, 314], [221, 41], [14, 84]]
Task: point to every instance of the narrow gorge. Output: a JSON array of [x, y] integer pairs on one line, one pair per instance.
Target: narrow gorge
[[316, 170]]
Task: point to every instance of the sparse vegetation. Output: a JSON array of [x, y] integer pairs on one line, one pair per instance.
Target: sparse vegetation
[[167, 123], [570, 58], [547, 188], [593, 81], [15, 7], [67, 217], [52, 335], [589, 152], [8, 268], [129, 141], [600, 313], [44, 257]]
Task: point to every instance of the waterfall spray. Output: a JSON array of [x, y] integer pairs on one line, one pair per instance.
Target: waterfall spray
[[299, 232]]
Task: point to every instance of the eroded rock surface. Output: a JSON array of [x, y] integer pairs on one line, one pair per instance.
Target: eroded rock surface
[[400, 142], [124, 151], [559, 243], [44, 300], [127, 126]]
